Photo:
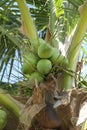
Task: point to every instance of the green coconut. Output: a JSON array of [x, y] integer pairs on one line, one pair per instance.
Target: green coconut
[[65, 62], [55, 55], [27, 68], [3, 119], [41, 41], [60, 59], [32, 58], [45, 51], [44, 66], [29, 64], [37, 76], [35, 44]]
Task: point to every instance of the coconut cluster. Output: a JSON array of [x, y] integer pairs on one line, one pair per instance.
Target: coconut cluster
[[38, 65]]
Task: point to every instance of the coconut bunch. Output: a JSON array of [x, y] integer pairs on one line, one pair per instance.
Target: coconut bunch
[[39, 62]]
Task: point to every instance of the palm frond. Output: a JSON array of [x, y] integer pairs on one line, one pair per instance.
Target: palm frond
[[9, 45]]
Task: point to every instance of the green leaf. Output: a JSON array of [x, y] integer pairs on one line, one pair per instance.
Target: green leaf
[[58, 8]]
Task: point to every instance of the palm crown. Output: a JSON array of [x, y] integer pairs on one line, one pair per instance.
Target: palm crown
[[11, 38]]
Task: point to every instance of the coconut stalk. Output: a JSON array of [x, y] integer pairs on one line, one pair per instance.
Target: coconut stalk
[[10, 103], [75, 47], [28, 21]]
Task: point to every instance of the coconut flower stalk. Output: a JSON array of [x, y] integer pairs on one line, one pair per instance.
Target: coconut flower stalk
[[28, 21], [10, 103], [75, 47]]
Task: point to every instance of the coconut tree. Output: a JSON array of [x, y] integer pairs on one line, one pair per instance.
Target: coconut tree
[[51, 73]]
